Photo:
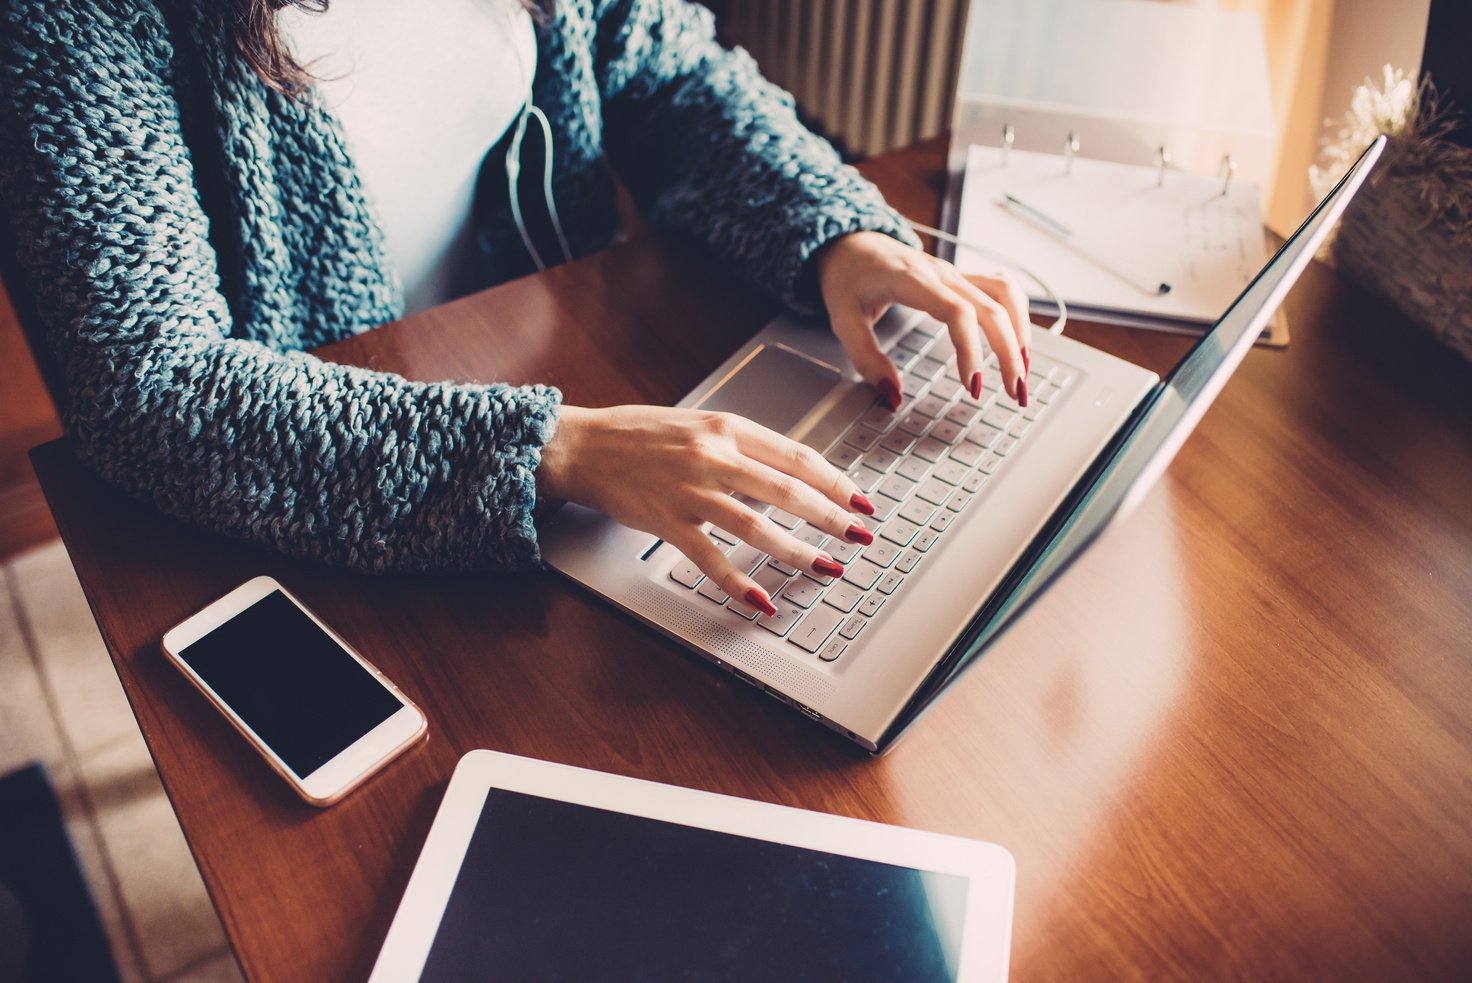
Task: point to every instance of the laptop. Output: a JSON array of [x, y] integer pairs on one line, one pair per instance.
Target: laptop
[[981, 505]]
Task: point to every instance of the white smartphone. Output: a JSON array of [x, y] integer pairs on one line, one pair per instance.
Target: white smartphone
[[320, 714]]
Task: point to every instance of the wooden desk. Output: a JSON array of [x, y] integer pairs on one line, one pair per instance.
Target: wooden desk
[[1235, 741]]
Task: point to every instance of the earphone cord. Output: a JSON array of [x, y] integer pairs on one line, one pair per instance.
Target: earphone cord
[[1053, 298]]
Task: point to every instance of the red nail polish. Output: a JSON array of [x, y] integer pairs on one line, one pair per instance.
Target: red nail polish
[[1022, 392], [1026, 360], [891, 393], [858, 534], [827, 566], [761, 602], [976, 385], [861, 503]]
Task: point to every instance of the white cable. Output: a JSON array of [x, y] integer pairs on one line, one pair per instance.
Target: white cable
[[513, 171], [547, 183], [1053, 298]]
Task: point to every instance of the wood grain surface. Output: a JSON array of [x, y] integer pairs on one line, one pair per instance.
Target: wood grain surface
[[1234, 742]]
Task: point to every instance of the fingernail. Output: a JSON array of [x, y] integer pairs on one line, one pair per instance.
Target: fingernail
[[976, 385], [1026, 360], [1022, 392], [858, 534], [860, 503], [827, 566], [890, 392], [759, 600]]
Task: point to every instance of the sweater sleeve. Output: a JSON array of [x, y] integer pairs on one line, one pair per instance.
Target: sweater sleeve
[[331, 463], [710, 148]]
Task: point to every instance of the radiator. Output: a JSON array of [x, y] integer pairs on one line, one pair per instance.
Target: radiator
[[869, 74]]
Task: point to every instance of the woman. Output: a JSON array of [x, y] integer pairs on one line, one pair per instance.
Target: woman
[[194, 211]]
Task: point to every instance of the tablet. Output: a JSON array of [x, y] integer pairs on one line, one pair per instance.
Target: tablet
[[540, 871]]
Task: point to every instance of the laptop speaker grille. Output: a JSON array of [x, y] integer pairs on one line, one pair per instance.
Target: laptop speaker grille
[[673, 612]]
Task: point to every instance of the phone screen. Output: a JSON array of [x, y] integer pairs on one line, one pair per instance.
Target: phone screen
[[305, 696]]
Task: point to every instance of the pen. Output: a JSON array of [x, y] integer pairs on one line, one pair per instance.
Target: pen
[[1063, 234]]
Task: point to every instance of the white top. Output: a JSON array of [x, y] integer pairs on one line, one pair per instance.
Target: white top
[[422, 91]]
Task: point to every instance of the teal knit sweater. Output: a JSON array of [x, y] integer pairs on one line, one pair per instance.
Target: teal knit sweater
[[188, 234]]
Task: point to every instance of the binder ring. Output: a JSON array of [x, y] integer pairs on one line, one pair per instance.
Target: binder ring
[[1070, 147], [1009, 136], [1162, 157], [1228, 168]]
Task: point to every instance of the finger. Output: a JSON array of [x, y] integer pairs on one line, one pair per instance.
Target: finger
[[1005, 290], [717, 567], [801, 462], [769, 485], [933, 295], [765, 535], [1000, 333], [855, 330]]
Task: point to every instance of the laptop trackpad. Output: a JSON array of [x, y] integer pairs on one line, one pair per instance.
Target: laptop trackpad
[[775, 386]]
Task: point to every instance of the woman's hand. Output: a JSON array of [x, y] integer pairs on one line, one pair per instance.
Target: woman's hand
[[668, 471], [861, 274]]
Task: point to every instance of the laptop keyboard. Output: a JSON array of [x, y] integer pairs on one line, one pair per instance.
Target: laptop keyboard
[[921, 466]]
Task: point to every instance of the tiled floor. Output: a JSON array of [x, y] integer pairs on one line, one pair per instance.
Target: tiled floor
[[61, 704]]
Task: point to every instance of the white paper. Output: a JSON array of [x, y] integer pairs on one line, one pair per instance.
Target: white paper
[[1206, 245]]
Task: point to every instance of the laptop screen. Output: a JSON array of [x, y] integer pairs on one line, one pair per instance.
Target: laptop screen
[[1131, 465]]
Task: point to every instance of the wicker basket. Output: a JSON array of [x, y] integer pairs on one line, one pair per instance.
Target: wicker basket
[[1394, 240]]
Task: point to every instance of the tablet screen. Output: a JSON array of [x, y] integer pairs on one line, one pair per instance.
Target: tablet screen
[[554, 890]]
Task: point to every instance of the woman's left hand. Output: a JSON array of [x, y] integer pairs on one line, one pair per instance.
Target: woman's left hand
[[861, 274]]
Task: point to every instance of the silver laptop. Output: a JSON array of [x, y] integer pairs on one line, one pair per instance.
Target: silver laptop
[[981, 504]]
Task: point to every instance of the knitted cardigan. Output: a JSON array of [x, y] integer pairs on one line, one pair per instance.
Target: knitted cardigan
[[188, 234]]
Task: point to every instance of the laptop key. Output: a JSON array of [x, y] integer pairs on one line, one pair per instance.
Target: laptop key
[[835, 648], [861, 437], [710, 591], [871, 605], [908, 561], [811, 535], [746, 557], [787, 570], [862, 574], [884, 507], [947, 388], [686, 574], [803, 592], [931, 406], [963, 413], [954, 471], [843, 596], [942, 521], [924, 541], [967, 455], [946, 431], [1004, 445], [930, 449], [853, 626], [843, 456], [724, 536], [815, 627], [898, 441], [917, 512], [934, 491], [785, 519], [881, 459], [974, 483], [899, 531], [877, 418], [781, 622], [866, 478], [958, 501], [914, 468], [983, 435], [896, 487], [882, 553], [890, 582], [914, 422], [771, 580], [741, 609], [842, 550]]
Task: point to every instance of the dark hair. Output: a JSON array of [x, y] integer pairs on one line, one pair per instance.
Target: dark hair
[[252, 24]]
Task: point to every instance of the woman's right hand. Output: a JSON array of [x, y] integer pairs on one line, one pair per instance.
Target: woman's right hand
[[668, 471]]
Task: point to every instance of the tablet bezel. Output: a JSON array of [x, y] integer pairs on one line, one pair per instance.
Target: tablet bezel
[[990, 870]]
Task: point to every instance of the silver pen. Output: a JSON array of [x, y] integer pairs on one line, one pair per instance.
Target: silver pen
[[1056, 229]]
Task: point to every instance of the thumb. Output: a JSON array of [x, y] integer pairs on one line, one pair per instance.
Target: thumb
[[855, 330]]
